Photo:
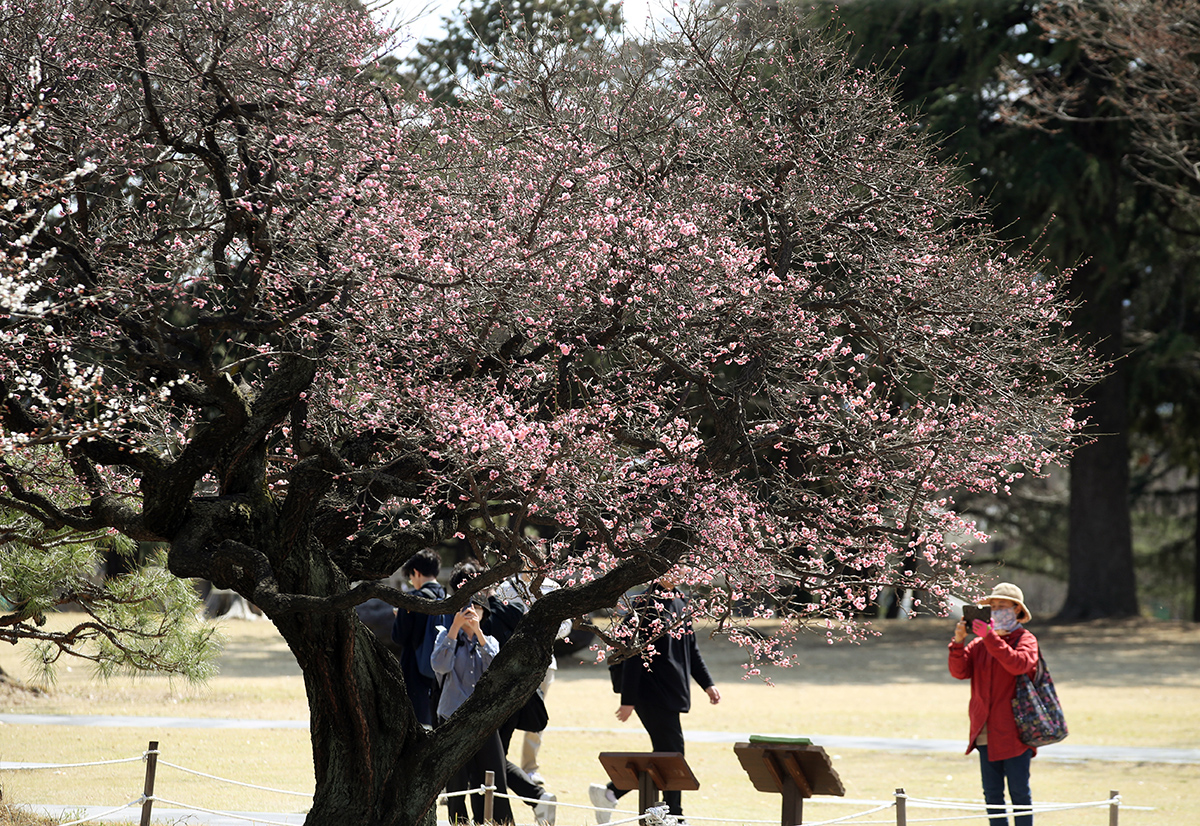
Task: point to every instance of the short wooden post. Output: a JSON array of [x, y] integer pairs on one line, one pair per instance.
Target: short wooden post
[[792, 813], [489, 802], [901, 808], [148, 790], [1114, 808], [647, 791]]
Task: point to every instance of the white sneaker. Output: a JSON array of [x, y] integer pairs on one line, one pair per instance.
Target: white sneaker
[[603, 801], [543, 812], [535, 777]]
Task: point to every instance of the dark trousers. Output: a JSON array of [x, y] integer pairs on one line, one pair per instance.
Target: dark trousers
[[666, 734], [1014, 770], [490, 757], [518, 782], [420, 691]]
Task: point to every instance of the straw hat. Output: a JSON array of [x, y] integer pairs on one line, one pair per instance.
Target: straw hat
[[1006, 590]]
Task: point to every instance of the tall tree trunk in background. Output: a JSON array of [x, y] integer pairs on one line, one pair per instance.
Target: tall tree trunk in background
[[1100, 581], [1196, 566]]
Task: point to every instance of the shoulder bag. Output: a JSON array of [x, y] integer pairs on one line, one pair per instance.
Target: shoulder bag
[[1036, 709]]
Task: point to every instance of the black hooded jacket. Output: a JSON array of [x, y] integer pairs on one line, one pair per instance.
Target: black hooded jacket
[[673, 658]]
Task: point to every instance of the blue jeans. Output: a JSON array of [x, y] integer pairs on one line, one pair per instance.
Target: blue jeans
[[1016, 771]]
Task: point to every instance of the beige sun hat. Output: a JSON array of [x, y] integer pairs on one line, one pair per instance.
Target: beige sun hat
[[1006, 590]]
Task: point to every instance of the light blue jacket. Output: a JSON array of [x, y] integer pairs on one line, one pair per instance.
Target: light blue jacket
[[459, 663]]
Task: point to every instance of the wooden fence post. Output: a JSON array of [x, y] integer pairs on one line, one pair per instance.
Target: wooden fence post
[[489, 785], [901, 808], [148, 791], [1114, 808]]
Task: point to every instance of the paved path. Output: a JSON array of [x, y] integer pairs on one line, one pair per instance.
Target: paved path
[[1059, 751]]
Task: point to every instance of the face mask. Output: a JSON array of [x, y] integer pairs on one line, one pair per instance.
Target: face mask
[[1005, 619]]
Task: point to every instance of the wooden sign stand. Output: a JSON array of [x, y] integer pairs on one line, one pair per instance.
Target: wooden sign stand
[[650, 772], [794, 770]]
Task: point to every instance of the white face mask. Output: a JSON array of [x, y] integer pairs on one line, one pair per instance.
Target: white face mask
[[1005, 619]]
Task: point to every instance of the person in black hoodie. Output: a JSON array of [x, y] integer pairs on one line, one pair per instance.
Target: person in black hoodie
[[504, 612], [409, 631], [659, 690]]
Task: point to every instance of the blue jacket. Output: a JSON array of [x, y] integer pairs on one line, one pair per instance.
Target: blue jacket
[[459, 663]]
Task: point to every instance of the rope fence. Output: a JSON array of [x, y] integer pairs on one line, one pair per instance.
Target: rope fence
[[243, 816], [40, 766], [232, 782], [654, 816]]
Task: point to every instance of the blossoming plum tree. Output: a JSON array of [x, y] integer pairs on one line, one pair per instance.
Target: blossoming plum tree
[[145, 621], [708, 303]]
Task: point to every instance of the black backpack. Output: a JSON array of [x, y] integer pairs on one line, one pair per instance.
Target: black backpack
[[425, 649]]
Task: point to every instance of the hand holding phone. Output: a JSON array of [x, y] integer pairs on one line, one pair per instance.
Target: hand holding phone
[[977, 612]]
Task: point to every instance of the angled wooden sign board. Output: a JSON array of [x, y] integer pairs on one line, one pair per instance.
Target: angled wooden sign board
[[792, 767], [650, 772]]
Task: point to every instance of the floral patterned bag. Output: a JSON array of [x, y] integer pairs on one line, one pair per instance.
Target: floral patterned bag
[[1036, 708]]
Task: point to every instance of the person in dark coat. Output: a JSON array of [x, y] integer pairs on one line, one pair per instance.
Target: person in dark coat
[[409, 629], [500, 622], [658, 690]]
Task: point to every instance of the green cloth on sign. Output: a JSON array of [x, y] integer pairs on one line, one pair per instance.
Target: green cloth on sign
[[782, 741]]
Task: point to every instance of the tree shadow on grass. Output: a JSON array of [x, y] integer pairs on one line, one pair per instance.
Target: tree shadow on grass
[[1122, 653], [254, 650]]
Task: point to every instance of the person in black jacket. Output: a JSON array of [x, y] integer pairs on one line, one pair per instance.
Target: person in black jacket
[[409, 630], [502, 617], [659, 690]]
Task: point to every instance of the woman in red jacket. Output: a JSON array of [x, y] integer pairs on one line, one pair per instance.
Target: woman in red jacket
[[1000, 652]]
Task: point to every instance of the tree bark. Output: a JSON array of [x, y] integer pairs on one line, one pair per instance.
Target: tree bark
[[368, 749], [374, 764], [1101, 581], [1196, 566]]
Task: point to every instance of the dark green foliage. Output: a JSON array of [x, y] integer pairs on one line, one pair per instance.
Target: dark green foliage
[[1066, 188], [443, 68], [947, 56]]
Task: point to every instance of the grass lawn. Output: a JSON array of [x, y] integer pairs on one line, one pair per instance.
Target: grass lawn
[[1131, 683]]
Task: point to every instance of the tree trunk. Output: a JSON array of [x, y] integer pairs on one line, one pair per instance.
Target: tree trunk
[[368, 749], [1196, 566], [1100, 581], [374, 764]]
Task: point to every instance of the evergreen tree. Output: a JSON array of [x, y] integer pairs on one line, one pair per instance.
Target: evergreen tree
[[469, 50], [1143, 53], [965, 65]]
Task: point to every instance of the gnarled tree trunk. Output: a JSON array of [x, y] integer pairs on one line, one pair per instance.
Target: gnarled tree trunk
[[367, 744], [374, 763]]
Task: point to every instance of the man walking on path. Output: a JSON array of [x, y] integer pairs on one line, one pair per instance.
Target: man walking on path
[[658, 689]]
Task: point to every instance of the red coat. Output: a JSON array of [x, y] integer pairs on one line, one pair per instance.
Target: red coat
[[992, 664]]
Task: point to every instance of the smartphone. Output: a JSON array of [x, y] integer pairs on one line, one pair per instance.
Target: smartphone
[[974, 612]]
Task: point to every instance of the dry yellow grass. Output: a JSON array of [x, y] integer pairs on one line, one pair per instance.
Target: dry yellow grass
[[15, 816], [1127, 684]]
